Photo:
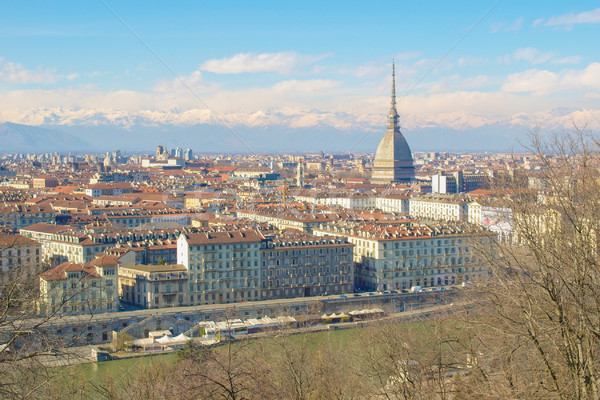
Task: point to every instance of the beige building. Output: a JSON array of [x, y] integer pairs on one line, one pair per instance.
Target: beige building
[[399, 257], [223, 267], [20, 258], [75, 288], [62, 243], [154, 286], [289, 218]]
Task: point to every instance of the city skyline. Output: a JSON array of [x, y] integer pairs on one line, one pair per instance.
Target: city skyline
[[462, 70]]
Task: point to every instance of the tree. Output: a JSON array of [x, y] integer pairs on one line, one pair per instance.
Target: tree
[[29, 342], [227, 371], [416, 360], [541, 331]]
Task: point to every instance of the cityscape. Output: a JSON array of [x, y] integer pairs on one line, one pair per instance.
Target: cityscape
[[261, 229]]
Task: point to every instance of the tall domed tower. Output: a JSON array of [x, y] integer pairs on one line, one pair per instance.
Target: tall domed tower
[[393, 160]]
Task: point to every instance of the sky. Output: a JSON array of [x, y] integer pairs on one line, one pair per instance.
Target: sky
[[461, 65]]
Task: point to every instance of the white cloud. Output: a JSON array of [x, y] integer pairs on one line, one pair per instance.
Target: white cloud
[[543, 81], [305, 86], [470, 61], [282, 62], [515, 26], [567, 60], [532, 80], [499, 26], [313, 102], [15, 73], [535, 57], [191, 82], [532, 55], [475, 81], [586, 17]]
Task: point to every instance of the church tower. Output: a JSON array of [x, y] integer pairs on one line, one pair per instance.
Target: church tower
[[393, 160]]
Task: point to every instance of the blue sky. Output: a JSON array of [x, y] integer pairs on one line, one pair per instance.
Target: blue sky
[[460, 65]]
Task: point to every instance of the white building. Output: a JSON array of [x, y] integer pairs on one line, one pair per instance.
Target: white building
[[439, 208], [399, 257]]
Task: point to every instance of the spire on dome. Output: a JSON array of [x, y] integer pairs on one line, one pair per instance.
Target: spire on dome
[[393, 115], [393, 85]]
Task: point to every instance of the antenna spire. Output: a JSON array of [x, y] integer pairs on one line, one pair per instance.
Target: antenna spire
[[393, 115], [393, 84]]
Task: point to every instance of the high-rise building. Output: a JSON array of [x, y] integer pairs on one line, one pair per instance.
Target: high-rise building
[[300, 174], [393, 160], [161, 153]]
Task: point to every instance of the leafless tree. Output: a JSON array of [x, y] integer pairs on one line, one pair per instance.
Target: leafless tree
[[29, 342], [541, 332], [416, 361]]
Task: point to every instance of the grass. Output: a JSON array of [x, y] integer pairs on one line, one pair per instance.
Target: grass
[[121, 371], [127, 366]]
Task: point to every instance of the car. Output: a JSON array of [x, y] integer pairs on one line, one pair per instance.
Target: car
[[386, 292], [441, 288], [370, 294], [356, 295], [343, 296], [404, 290], [393, 291]]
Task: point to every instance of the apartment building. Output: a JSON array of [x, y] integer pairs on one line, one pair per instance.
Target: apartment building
[[399, 257], [80, 288], [440, 208], [306, 267], [20, 258], [223, 267], [289, 218], [62, 243], [21, 215], [154, 286]]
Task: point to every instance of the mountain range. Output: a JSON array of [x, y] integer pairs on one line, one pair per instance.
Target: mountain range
[[207, 138]]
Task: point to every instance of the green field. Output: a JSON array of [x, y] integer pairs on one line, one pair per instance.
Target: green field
[[123, 367], [128, 366]]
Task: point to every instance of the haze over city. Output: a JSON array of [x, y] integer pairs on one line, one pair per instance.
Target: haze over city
[[273, 77]]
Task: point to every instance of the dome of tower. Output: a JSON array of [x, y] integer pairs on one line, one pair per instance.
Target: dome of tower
[[393, 159]]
